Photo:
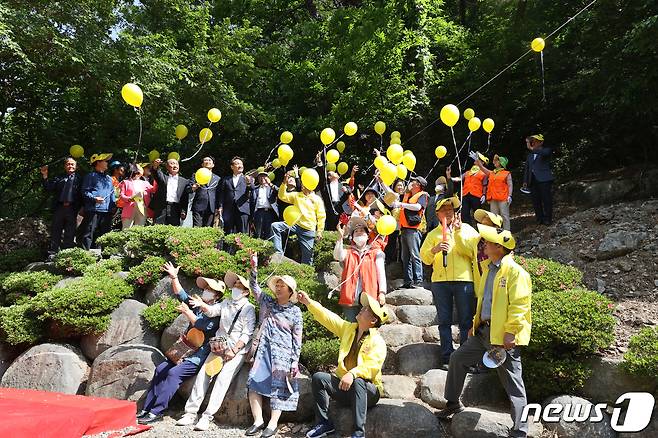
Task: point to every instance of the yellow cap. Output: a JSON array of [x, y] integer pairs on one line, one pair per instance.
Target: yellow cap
[[373, 304], [99, 157], [481, 213], [501, 237], [539, 137], [453, 200]]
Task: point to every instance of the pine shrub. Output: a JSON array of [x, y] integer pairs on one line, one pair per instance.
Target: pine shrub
[[162, 313], [18, 259], [548, 275], [642, 355], [319, 354], [19, 324], [25, 284], [149, 272], [74, 261]]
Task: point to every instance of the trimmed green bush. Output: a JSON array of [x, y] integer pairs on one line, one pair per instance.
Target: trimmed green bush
[[105, 267], [548, 275], [319, 354], [185, 241], [162, 313], [240, 242], [642, 355], [208, 263], [74, 261], [323, 250], [313, 329], [18, 259], [148, 272], [25, 284], [19, 324]]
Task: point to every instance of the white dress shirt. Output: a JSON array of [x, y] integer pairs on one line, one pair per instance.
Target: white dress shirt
[[261, 199], [172, 188], [334, 191], [236, 178]]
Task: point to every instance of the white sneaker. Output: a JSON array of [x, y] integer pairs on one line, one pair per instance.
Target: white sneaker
[[203, 423], [186, 420]]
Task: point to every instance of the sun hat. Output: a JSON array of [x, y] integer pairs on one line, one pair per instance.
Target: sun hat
[[422, 181], [368, 301], [501, 237], [503, 161], [538, 137], [216, 285], [452, 199], [481, 213], [99, 157], [288, 280], [354, 223], [230, 278]]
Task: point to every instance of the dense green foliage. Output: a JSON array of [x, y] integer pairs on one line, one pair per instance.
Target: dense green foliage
[[105, 267], [642, 355], [146, 273], [162, 313], [18, 285], [18, 259], [319, 354], [74, 261], [323, 250], [550, 276], [19, 324]]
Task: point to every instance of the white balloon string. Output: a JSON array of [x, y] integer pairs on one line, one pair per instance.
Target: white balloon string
[[543, 85], [271, 151], [200, 145], [459, 163]]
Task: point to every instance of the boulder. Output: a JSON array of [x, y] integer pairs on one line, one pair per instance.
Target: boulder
[[127, 326], [619, 243], [49, 367], [391, 361], [122, 275], [411, 296], [173, 332], [484, 390], [392, 285], [335, 268], [163, 289], [588, 429], [329, 279], [397, 335], [400, 387], [280, 258], [7, 354], [42, 266], [609, 380], [431, 334], [483, 423], [305, 406], [418, 358], [65, 281], [392, 316], [421, 316], [432, 388], [124, 372], [390, 418]]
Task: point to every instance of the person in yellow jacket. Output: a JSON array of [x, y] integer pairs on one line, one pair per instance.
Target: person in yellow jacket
[[454, 270], [358, 379], [502, 319]]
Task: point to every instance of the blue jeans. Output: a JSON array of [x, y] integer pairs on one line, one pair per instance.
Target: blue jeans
[[463, 294], [306, 240], [411, 264]]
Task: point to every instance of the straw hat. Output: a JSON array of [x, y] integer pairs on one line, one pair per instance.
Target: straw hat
[[481, 213], [231, 278], [209, 283], [288, 280]]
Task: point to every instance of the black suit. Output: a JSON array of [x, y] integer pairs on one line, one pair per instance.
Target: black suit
[[334, 209], [169, 212], [205, 202], [262, 218], [538, 176], [67, 200], [234, 202]]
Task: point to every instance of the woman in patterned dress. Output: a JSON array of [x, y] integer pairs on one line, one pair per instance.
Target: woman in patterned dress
[[276, 363]]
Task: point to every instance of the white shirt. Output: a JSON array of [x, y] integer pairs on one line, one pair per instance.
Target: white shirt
[[236, 178], [172, 188], [245, 324], [334, 191], [261, 199]]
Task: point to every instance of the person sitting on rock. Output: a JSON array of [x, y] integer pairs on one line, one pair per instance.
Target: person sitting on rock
[[168, 375], [237, 320], [363, 268], [502, 319], [358, 379]]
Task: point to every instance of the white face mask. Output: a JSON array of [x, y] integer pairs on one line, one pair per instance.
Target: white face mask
[[208, 295], [439, 188], [236, 293], [360, 240]]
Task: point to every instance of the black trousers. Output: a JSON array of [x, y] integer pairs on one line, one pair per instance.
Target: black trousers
[[203, 218], [94, 225], [361, 395], [470, 203], [64, 220], [263, 219], [392, 250], [235, 221], [542, 200], [170, 215]]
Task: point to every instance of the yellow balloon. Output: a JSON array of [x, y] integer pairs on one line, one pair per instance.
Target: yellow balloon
[[132, 94], [327, 136], [380, 162], [214, 115], [286, 137], [409, 161], [276, 163], [396, 134], [181, 132], [203, 176], [332, 156], [271, 176], [538, 44], [394, 153], [173, 156], [449, 115], [342, 168], [402, 171], [284, 162], [395, 140], [386, 225], [154, 155], [340, 146], [389, 173], [474, 124], [310, 179], [350, 129], [301, 171], [76, 151], [469, 113], [205, 135], [488, 125], [285, 153], [440, 152], [331, 167], [380, 127], [291, 215], [407, 152]]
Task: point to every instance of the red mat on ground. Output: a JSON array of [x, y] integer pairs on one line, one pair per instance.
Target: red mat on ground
[[29, 413]]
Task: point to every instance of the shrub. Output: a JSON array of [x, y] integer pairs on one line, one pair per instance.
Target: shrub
[[323, 250], [208, 263], [642, 355], [240, 242], [313, 329], [19, 324], [21, 284], [74, 261], [18, 259], [548, 275], [185, 241], [105, 267], [148, 272], [319, 354], [162, 313]]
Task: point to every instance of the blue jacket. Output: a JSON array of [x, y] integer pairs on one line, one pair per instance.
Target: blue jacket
[[98, 184], [538, 164], [204, 323]]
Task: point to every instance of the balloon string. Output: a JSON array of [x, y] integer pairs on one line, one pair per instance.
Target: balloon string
[[488, 142], [543, 85], [459, 163], [200, 145], [271, 151], [51, 162], [461, 148]]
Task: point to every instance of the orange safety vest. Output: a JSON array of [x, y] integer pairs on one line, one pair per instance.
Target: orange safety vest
[[117, 192], [407, 199], [498, 190], [473, 184], [367, 271]]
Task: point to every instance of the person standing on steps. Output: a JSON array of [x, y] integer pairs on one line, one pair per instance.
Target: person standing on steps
[[503, 318], [499, 188], [233, 199], [204, 203], [474, 189], [538, 177], [169, 203], [99, 198], [263, 206], [453, 265], [442, 189]]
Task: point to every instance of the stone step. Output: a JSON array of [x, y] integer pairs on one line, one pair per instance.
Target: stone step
[[487, 423], [479, 390], [397, 335], [411, 296]]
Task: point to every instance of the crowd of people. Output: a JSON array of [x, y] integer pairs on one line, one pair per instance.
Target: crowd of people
[[469, 250]]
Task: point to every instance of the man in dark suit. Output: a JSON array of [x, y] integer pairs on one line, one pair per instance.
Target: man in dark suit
[[169, 203], [263, 206], [538, 177], [233, 198], [204, 203], [67, 200]]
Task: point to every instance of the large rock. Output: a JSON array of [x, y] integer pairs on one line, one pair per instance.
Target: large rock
[[482, 423], [280, 258], [49, 367], [163, 289], [7, 354], [418, 358], [609, 380], [331, 280], [391, 418], [124, 372], [619, 243], [66, 281], [586, 428], [391, 361], [484, 390], [42, 266], [173, 332], [401, 387], [394, 284], [431, 334], [432, 388], [411, 296], [397, 335], [421, 316], [127, 326]]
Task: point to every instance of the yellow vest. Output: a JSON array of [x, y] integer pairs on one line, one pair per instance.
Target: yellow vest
[[461, 256]]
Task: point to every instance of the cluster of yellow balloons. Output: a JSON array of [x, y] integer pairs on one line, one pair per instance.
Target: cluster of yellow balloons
[[132, 95], [450, 116], [76, 151]]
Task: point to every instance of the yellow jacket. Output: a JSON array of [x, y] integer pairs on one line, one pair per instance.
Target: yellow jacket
[[371, 355], [510, 302], [311, 206], [462, 257]]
